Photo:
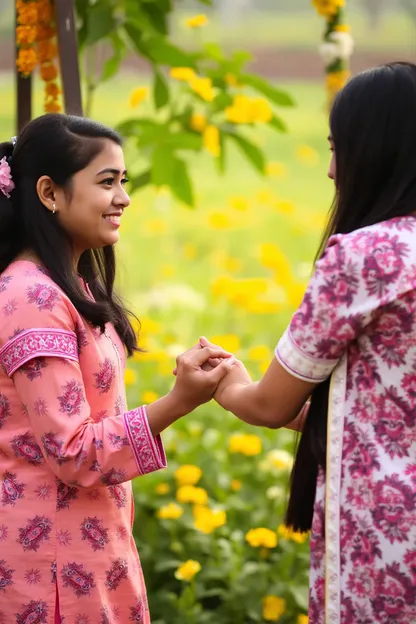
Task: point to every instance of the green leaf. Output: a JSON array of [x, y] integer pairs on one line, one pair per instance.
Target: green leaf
[[214, 51], [101, 22], [251, 151], [300, 595], [112, 65], [221, 161], [141, 180], [157, 17], [169, 170], [165, 53], [160, 90], [135, 36], [239, 59], [275, 95], [278, 124], [184, 140]]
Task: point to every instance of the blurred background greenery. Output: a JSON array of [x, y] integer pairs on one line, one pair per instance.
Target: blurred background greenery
[[234, 269]]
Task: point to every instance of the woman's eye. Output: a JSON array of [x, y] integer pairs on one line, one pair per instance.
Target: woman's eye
[[124, 181], [108, 181]]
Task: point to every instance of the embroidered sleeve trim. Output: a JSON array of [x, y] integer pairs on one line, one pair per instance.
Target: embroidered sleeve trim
[[301, 365], [148, 450], [39, 342]]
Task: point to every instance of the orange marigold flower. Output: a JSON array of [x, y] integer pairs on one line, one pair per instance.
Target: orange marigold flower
[[25, 35], [47, 51], [27, 14], [52, 107], [48, 71], [44, 32], [26, 61], [52, 89], [44, 11]]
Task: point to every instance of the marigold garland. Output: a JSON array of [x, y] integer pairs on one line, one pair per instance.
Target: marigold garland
[[337, 47], [36, 40]]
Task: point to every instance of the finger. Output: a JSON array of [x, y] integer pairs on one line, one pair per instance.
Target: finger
[[214, 362], [175, 371], [205, 354], [221, 371], [204, 342]]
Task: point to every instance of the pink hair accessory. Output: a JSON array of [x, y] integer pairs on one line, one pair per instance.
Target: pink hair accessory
[[6, 182]]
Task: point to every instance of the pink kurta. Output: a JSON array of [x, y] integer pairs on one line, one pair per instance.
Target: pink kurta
[[68, 450], [357, 323]]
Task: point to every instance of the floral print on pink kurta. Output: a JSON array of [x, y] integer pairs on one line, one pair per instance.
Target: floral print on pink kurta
[[357, 323], [68, 450]]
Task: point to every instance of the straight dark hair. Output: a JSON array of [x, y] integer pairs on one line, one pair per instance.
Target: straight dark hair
[[373, 127], [59, 146]]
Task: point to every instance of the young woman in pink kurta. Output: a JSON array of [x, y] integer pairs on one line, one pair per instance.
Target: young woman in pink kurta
[[69, 446], [351, 346]]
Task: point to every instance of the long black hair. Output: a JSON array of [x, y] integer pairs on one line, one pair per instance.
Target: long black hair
[[373, 127], [59, 146]]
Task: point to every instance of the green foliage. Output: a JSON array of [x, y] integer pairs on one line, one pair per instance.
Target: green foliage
[[166, 143]]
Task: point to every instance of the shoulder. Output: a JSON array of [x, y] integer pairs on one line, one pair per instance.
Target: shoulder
[[382, 257], [30, 299]]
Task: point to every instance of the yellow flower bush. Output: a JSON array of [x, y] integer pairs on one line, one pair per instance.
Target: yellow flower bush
[[162, 488], [247, 110], [130, 377], [188, 474], [288, 534], [328, 8], [185, 74], [245, 444], [149, 396], [139, 95], [262, 537], [211, 138], [273, 608], [202, 87], [302, 619], [188, 570], [191, 494], [198, 122]]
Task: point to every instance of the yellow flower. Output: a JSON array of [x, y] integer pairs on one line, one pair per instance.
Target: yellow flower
[[167, 271], [47, 50], [211, 138], [52, 106], [273, 258], [27, 14], [273, 608], [219, 221], [302, 619], [285, 207], [276, 170], [277, 459], [191, 494], [336, 80], [48, 71], [236, 485], [44, 33], [188, 474], [156, 226], [231, 80], [207, 520], [288, 534], [328, 8], [198, 122], [202, 87], [129, 377], [148, 327], [342, 28], [172, 511], [307, 155], [261, 111], [149, 396], [162, 489], [228, 342], [239, 203], [182, 73], [52, 89], [262, 537], [246, 444], [187, 570], [138, 96], [190, 251], [196, 21], [261, 352]]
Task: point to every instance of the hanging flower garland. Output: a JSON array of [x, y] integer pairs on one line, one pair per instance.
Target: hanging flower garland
[[338, 45], [36, 40]]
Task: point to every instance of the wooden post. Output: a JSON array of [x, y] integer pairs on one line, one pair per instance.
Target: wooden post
[[68, 55], [23, 95]]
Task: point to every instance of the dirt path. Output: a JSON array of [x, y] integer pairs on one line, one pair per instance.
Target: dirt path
[[273, 63]]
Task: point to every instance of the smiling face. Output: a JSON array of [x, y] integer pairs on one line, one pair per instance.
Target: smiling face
[[91, 211]]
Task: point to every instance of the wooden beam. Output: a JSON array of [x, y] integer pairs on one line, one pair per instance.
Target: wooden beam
[[68, 55], [23, 95]]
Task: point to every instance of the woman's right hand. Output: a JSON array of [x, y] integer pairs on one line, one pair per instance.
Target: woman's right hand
[[194, 385]]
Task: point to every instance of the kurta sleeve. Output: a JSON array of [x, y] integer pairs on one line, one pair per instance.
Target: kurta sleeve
[[40, 354], [358, 275]]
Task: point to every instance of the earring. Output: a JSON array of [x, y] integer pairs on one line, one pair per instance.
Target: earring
[[53, 208]]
